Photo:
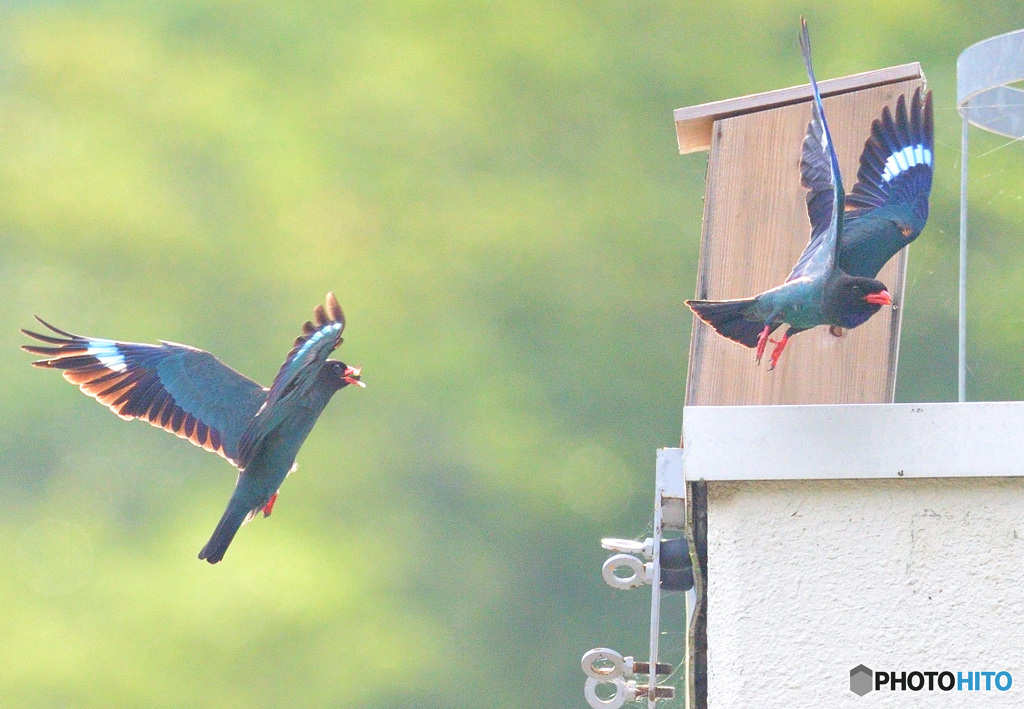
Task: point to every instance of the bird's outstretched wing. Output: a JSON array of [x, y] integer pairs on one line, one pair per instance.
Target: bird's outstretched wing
[[896, 164], [819, 172], [320, 336], [180, 389]]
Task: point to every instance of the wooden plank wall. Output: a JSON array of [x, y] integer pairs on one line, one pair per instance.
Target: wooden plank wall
[[755, 226]]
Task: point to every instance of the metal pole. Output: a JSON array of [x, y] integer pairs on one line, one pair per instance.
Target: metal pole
[[652, 683], [962, 334]]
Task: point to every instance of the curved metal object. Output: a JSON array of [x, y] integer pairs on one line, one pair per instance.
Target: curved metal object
[[983, 72], [603, 664], [638, 574], [623, 691], [984, 98]]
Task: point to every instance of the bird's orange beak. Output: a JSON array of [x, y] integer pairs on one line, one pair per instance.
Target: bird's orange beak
[[880, 298], [351, 376]]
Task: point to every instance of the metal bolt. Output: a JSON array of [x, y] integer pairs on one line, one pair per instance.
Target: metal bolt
[[643, 690], [644, 668]]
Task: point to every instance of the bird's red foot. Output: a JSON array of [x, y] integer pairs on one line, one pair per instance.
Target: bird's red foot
[[269, 507], [762, 342], [835, 331], [777, 352]]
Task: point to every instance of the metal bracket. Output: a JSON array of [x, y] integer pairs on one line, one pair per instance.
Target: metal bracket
[[665, 566], [604, 666]]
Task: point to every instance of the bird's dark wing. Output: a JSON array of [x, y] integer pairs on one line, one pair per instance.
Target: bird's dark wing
[[896, 164], [319, 338], [819, 173], [178, 388]]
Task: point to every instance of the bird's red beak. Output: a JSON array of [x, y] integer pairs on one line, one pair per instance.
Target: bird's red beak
[[351, 376], [879, 298]]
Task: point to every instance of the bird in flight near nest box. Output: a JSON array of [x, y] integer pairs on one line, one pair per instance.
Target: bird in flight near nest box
[[833, 282], [193, 395]]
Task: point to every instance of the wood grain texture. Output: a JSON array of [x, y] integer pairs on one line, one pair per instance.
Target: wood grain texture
[[755, 226], [694, 123]]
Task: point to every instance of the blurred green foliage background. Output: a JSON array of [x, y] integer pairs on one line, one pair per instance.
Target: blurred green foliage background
[[493, 191]]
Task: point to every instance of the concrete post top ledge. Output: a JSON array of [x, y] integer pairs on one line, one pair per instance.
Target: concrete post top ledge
[[992, 406], [908, 440]]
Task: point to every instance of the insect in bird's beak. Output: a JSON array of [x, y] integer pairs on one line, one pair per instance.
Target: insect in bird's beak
[[880, 298], [351, 376]]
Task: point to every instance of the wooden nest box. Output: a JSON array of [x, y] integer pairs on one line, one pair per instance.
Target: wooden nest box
[[756, 225]]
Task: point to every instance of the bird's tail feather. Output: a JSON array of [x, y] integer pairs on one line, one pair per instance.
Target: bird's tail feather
[[730, 318], [230, 522]]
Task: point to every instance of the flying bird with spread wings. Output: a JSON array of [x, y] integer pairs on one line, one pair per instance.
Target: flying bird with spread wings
[[192, 394], [833, 282]]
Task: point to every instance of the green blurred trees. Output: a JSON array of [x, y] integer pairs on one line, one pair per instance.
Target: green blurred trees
[[493, 191]]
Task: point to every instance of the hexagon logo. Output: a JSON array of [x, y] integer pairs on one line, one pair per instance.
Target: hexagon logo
[[860, 680]]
